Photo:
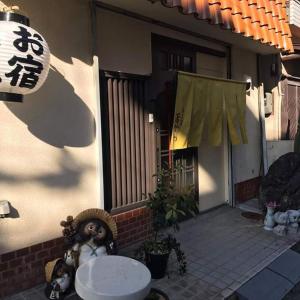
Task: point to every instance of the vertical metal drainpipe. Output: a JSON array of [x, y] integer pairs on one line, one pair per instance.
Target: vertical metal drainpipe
[[263, 156], [230, 156]]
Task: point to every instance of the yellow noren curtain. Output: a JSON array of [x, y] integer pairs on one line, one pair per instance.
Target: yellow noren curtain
[[200, 103]]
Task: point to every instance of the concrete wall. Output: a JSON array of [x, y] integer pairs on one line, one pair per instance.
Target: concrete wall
[[246, 158], [48, 160], [275, 149]]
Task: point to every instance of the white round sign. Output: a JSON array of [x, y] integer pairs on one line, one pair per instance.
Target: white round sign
[[24, 58]]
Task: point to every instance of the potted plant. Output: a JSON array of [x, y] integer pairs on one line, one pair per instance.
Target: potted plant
[[169, 204]]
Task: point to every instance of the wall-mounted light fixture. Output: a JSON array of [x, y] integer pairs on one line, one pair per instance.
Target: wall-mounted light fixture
[[248, 81], [24, 56], [4, 208]]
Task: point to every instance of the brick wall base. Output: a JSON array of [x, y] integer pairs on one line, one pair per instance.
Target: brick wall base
[[24, 268], [247, 189]]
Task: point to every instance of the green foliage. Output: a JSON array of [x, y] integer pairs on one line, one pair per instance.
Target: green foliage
[[169, 204]]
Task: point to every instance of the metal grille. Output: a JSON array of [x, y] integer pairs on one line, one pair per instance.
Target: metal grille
[[129, 155]]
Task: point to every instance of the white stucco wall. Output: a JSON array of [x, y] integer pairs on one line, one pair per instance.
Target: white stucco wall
[[275, 149], [48, 153], [246, 158], [124, 44]]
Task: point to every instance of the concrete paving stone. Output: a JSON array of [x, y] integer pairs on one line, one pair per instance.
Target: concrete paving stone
[[220, 284], [217, 275], [234, 286], [220, 262], [176, 288], [214, 289], [259, 266], [251, 272], [266, 285], [40, 287], [171, 293], [14, 297], [193, 267], [227, 280], [34, 296], [209, 279], [243, 278], [226, 292], [198, 297], [244, 269], [198, 274], [183, 283], [216, 297], [232, 275], [287, 265], [186, 295], [232, 266], [205, 270], [189, 278], [223, 270], [196, 289]]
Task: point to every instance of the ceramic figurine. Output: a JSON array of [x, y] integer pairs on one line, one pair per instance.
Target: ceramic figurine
[[71, 258], [92, 240], [59, 279], [282, 219], [280, 230], [269, 219], [90, 235], [294, 216]]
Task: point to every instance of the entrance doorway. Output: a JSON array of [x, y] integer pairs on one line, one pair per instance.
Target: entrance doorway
[[206, 167], [168, 57], [214, 162]]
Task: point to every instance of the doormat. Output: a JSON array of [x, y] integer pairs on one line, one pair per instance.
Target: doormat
[[252, 215]]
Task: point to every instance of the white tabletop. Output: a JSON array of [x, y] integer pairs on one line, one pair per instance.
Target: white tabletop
[[112, 278]]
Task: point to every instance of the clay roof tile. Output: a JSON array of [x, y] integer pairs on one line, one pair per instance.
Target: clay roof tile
[[264, 20]]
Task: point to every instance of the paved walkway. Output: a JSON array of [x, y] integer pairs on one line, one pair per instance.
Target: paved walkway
[[223, 249]]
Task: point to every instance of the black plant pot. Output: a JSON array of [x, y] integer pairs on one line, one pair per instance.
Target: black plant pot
[[157, 264], [157, 294]]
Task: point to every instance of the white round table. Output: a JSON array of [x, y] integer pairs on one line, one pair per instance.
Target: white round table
[[112, 278]]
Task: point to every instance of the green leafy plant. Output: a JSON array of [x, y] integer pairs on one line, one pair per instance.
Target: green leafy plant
[[169, 204]]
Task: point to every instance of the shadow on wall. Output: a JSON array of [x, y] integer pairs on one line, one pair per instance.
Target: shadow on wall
[[56, 115], [14, 213], [66, 177]]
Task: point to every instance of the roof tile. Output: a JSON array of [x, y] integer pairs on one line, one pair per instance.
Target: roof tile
[[263, 20]]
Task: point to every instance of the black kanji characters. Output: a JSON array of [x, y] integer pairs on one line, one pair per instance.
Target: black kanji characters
[[30, 67], [26, 39]]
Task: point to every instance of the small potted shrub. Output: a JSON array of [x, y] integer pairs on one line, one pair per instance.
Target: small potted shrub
[[169, 204]]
